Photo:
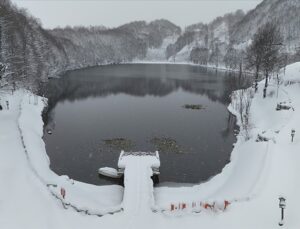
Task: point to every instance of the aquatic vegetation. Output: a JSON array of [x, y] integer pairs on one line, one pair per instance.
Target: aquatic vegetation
[[119, 143], [166, 145], [194, 106]]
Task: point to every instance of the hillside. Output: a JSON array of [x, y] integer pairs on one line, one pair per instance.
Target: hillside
[[284, 12], [96, 46], [230, 34], [31, 54], [213, 39]]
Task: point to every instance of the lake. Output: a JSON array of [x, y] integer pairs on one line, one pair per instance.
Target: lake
[[96, 112]]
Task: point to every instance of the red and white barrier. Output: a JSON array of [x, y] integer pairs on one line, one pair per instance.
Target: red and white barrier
[[211, 206]]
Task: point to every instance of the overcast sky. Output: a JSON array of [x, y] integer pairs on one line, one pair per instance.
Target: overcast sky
[[113, 13]]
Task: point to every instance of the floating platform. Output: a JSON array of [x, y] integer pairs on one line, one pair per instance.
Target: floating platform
[[118, 173], [153, 155]]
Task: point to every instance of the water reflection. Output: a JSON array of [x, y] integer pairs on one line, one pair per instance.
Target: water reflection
[[139, 103]]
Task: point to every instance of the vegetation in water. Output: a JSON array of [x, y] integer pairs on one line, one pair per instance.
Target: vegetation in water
[[119, 144], [194, 106], [166, 145]]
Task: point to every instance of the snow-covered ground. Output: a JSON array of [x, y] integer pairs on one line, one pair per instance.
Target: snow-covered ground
[[259, 172]]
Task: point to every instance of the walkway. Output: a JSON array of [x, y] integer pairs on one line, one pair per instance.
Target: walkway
[[138, 169]]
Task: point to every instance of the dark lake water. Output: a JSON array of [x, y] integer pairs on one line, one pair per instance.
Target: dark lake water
[[95, 112]]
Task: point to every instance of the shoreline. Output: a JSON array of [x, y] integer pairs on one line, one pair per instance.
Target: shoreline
[[211, 67]]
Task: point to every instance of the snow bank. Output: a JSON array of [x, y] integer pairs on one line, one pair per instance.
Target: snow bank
[[292, 73]]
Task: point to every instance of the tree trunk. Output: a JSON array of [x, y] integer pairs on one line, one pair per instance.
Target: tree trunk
[[267, 79], [266, 84], [256, 78]]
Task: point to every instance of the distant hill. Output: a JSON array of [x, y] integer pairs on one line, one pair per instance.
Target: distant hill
[[235, 30], [31, 54], [214, 36], [93, 46]]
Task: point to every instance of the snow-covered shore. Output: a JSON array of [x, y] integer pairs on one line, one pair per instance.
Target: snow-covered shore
[[221, 67], [259, 172]]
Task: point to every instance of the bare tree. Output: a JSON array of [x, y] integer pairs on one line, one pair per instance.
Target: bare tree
[[254, 56], [263, 53], [241, 102], [272, 45]]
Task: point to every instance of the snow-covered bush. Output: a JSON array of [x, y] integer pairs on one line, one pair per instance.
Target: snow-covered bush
[[241, 103]]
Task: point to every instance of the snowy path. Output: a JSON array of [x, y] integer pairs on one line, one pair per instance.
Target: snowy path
[[138, 199], [138, 193], [138, 196], [18, 184]]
